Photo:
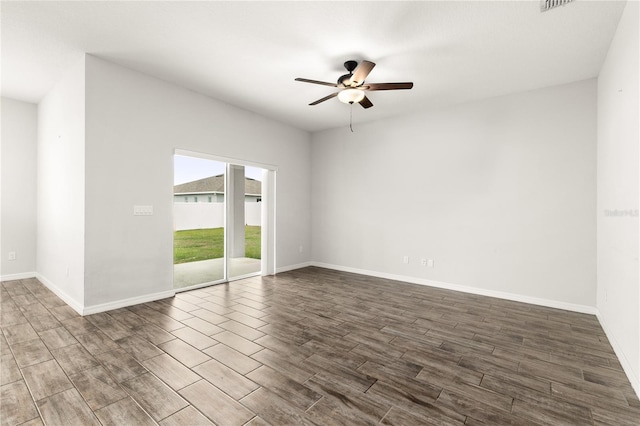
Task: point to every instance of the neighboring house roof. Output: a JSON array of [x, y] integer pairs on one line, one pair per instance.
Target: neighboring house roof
[[216, 184]]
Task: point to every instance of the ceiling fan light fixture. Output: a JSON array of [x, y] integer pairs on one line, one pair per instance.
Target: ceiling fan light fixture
[[350, 96]]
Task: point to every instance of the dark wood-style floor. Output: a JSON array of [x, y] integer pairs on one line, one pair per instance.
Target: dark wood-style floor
[[310, 346]]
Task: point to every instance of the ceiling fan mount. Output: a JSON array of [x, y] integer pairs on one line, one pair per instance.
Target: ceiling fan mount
[[352, 85]]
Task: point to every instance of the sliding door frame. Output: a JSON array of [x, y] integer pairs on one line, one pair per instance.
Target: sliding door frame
[[268, 212]]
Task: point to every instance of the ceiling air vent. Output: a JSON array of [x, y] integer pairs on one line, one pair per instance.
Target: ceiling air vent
[[551, 4]]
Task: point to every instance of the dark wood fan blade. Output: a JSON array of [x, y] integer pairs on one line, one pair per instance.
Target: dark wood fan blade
[[361, 72], [324, 83], [388, 86], [326, 98], [366, 103]]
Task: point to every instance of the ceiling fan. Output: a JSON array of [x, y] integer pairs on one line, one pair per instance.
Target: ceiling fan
[[352, 85]]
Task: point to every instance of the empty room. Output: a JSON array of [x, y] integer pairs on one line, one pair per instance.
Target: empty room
[[320, 213]]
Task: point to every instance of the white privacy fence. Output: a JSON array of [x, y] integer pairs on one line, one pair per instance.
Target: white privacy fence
[[210, 215]]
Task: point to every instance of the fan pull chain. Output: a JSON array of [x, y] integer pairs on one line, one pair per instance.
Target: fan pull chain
[[351, 117]]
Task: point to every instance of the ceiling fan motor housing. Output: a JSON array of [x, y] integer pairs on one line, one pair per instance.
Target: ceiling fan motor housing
[[345, 80]]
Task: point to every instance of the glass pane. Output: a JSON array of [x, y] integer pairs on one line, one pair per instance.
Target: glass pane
[[199, 213], [245, 221]]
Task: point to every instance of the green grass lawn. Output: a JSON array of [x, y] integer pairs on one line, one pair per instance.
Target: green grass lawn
[[202, 244]]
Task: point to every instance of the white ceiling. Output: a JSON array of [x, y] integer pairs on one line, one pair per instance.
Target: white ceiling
[[248, 53]]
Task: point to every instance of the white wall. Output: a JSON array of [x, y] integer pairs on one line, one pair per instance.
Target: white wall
[[500, 193], [61, 188], [618, 186], [18, 188], [134, 123]]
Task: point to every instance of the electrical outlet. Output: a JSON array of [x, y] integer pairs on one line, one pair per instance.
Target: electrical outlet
[[423, 261], [12, 255], [429, 263], [405, 259]]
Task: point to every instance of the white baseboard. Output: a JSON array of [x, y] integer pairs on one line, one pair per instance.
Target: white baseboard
[[466, 289], [103, 307], [292, 267], [123, 303], [627, 366], [74, 304], [20, 276]]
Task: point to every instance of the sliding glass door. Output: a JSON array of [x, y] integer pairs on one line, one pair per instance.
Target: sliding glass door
[[218, 221]]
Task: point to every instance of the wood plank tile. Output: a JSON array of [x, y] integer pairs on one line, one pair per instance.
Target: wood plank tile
[[604, 417], [185, 353], [138, 347], [241, 330], [170, 371], [66, 408], [181, 304], [97, 388], [161, 320], [224, 378], [9, 371], [122, 412], [34, 309], [74, 358], [45, 379], [4, 346], [215, 404], [194, 338], [30, 352], [120, 365], [209, 316], [11, 317], [113, 329], [79, 325], [343, 405], [17, 406], [97, 342], [153, 333], [232, 358], [282, 363], [336, 372], [548, 414], [186, 416], [257, 421], [550, 371], [57, 338], [594, 394], [295, 393], [238, 343], [515, 385], [154, 396], [245, 319], [44, 322], [170, 311], [400, 417], [63, 312], [19, 333], [247, 310], [274, 409], [202, 326], [464, 405]]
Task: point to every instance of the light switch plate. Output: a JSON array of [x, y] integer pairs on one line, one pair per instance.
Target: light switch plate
[[142, 210]]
